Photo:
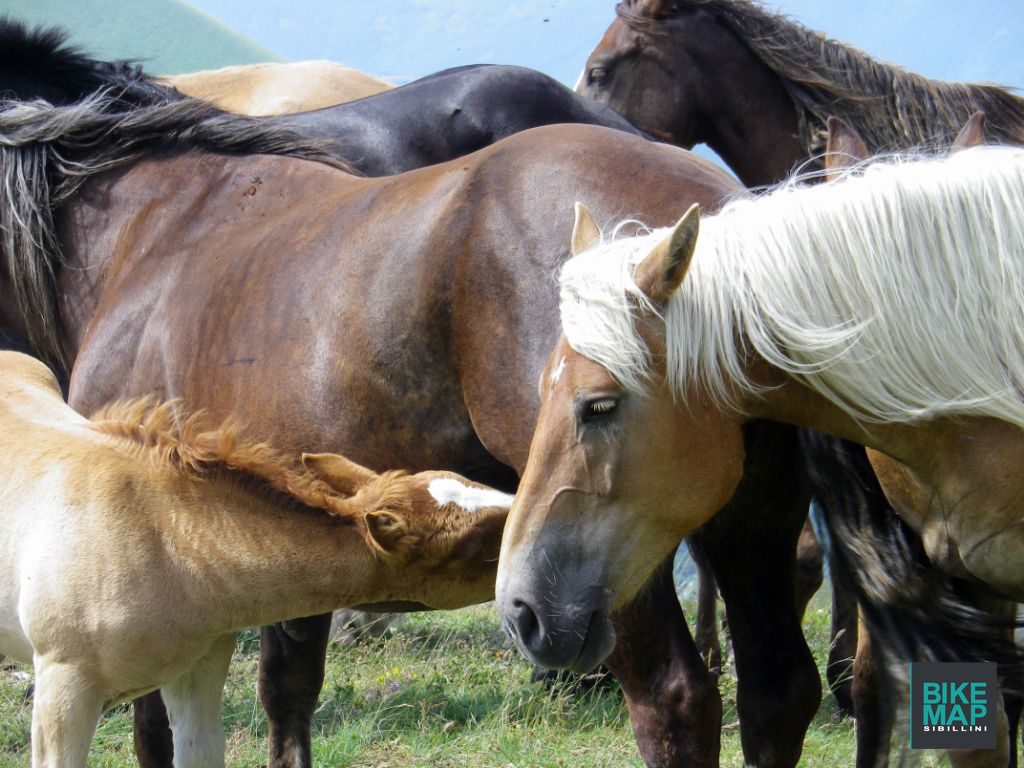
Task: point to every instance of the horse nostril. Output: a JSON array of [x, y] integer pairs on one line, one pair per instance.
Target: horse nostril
[[526, 624]]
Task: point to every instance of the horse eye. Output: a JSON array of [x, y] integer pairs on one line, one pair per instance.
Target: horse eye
[[599, 408], [597, 75]]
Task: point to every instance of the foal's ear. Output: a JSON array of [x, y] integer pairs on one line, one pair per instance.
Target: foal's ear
[[388, 533], [845, 148], [344, 476], [971, 135], [585, 232], [663, 269]]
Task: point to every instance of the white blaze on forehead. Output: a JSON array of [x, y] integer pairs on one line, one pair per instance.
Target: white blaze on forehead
[[448, 490], [557, 373]]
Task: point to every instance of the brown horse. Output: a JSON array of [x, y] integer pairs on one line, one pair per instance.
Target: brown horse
[[278, 88], [404, 319], [826, 307], [758, 88]]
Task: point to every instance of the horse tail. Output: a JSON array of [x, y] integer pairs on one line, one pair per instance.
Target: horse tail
[[913, 610]]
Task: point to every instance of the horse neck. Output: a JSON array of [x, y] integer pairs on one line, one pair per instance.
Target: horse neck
[[748, 117], [252, 560]]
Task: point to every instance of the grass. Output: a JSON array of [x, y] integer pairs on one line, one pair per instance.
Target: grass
[[445, 691]]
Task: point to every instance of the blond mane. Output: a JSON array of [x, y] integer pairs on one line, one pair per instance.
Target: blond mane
[[895, 292]]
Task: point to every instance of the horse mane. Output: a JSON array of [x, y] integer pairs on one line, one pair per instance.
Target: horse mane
[[894, 292], [48, 152], [889, 107], [40, 63], [195, 447]]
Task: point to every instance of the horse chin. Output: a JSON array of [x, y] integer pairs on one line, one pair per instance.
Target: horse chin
[[598, 643]]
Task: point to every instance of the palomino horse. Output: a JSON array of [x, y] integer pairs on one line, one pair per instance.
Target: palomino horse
[[334, 324], [277, 89], [882, 308], [104, 520], [758, 88], [673, 701]]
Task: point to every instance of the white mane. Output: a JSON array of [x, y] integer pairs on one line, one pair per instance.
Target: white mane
[[897, 292]]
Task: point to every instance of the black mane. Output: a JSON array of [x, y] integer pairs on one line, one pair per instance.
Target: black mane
[[40, 63]]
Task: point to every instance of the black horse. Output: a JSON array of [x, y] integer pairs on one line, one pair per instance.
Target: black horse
[[447, 115]]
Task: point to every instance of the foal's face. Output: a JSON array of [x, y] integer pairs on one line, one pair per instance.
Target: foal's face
[[614, 481]]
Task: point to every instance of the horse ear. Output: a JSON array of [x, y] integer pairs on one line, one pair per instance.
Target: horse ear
[[388, 533], [344, 476], [663, 269], [585, 232], [971, 135], [844, 148]]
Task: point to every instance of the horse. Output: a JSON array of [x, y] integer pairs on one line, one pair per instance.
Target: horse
[[758, 88], [136, 545], [305, 310], [673, 701], [882, 308], [447, 115], [273, 88]]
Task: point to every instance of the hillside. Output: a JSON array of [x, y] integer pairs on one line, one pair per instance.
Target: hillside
[[168, 36]]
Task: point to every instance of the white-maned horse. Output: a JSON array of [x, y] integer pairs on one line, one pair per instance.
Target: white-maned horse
[[884, 308]]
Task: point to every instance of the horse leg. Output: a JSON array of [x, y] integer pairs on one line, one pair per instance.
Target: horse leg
[[65, 711], [986, 758], [292, 657], [874, 717], [751, 545], [193, 708], [706, 631], [844, 646], [810, 561], [674, 705], [154, 745]]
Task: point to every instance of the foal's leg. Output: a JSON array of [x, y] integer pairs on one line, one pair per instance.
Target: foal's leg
[[752, 546], [193, 708], [674, 705], [65, 711], [292, 659]]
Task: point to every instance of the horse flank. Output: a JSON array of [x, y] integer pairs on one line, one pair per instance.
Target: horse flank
[[889, 107], [895, 292], [47, 152]]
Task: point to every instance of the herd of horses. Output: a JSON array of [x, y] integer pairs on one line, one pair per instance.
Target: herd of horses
[[380, 279]]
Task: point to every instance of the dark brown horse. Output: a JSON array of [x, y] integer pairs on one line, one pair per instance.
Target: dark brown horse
[[410, 315], [758, 88]]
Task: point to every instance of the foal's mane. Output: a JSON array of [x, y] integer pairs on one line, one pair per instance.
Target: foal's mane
[[197, 448], [889, 107], [48, 152]]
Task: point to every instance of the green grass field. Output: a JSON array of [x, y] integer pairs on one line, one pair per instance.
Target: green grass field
[[446, 690]]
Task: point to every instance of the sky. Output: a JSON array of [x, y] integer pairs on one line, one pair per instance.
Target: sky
[[977, 41]]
